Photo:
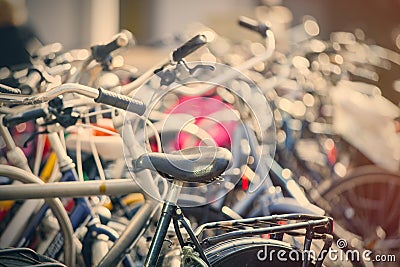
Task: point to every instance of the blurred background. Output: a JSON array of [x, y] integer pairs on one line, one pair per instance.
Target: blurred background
[[327, 123], [77, 23]]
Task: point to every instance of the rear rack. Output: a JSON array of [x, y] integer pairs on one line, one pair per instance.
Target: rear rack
[[273, 227]]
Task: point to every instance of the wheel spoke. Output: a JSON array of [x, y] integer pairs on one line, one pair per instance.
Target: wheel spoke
[[360, 212], [391, 205], [374, 198]]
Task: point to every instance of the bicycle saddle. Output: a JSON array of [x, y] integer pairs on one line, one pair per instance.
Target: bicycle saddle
[[200, 164]]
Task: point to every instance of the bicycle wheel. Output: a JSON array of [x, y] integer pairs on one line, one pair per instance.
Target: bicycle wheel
[[254, 252], [366, 203]]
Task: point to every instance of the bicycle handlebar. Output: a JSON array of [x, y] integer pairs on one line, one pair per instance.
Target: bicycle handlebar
[[99, 95], [176, 56], [100, 52], [121, 101], [30, 115], [189, 47], [254, 25]]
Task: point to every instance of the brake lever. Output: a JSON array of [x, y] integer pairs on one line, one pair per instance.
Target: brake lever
[[64, 116], [169, 76], [198, 67]]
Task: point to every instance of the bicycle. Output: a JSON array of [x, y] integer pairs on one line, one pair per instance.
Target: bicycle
[[141, 218], [159, 161]]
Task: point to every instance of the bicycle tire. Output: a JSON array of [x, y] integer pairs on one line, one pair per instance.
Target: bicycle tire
[[243, 252], [364, 201], [26, 257]]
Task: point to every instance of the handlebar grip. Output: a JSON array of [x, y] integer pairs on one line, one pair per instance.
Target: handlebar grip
[[120, 101], [99, 52], [9, 90], [189, 47], [254, 25], [31, 83], [11, 121]]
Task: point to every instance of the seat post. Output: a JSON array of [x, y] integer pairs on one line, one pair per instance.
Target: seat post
[[168, 210], [173, 191]]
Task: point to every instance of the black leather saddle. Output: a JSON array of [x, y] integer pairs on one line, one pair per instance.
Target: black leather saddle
[[200, 164]]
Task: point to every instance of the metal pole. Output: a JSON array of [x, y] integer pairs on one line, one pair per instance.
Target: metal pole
[[68, 189]]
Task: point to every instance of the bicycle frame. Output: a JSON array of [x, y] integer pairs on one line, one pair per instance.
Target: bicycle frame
[[80, 212], [17, 158], [78, 215], [137, 225], [55, 205], [135, 228]]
